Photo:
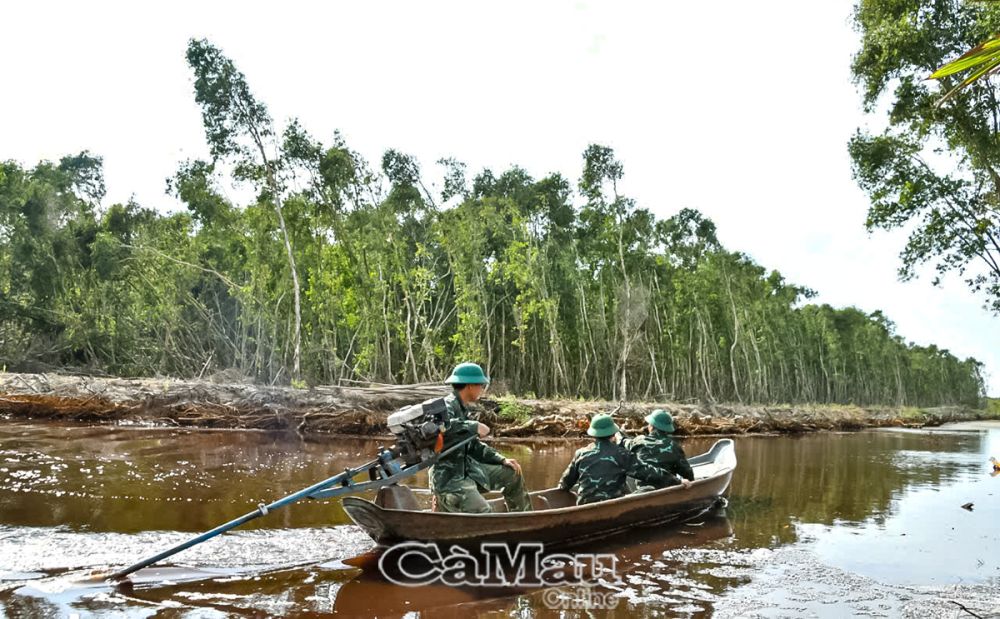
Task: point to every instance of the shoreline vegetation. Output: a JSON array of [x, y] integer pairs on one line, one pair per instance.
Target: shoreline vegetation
[[361, 410], [296, 261]]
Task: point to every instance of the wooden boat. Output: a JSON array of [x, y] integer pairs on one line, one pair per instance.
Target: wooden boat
[[395, 515]]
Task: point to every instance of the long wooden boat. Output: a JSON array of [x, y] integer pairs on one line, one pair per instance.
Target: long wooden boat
[[395, 515]]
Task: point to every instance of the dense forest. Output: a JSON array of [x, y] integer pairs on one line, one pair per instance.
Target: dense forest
[[338, 269]]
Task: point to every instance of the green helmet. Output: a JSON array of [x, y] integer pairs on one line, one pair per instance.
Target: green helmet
[[661, 420], [602, 426], [468, 374]]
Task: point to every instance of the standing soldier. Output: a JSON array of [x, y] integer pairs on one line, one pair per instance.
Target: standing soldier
[[600, 469], [658, 448], [458, 479]]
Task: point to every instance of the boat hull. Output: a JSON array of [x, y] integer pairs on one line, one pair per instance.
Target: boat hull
[[559, 521]]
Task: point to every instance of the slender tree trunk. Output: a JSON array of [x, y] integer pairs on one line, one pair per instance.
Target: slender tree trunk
[[736, 337], [297, 330], [275, 188]]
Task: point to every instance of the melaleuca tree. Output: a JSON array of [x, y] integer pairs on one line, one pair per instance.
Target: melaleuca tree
[[240, 131]]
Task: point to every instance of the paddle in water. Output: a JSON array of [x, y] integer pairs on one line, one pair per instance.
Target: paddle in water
[[418, 446]]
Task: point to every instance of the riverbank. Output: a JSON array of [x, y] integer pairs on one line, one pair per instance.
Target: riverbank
[[361, 410]]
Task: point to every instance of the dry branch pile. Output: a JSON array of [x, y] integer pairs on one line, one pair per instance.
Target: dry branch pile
[[336, 409], [361, 409], [570, 418]]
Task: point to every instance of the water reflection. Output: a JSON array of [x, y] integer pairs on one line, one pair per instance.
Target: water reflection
[[845, 478], [74, 497], [651, 562]]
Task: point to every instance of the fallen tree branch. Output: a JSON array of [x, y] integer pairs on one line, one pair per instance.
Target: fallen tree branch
[[966, 609]]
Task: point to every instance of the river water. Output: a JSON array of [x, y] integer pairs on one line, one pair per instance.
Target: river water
[[828, 525]]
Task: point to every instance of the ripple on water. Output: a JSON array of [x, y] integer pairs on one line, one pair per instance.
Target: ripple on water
[[53, 549], [807, 517]]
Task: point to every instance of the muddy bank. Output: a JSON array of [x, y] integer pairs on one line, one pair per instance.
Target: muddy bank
[[361, 410]]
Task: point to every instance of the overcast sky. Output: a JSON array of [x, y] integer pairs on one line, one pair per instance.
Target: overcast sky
[[741, 110]]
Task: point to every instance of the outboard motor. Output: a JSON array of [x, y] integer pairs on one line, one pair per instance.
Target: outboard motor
[[419, 430]]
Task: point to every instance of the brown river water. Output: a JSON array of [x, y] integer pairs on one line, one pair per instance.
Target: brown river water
[[822, 525]]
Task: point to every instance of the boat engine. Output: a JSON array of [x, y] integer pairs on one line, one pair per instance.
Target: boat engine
[[418, 430]]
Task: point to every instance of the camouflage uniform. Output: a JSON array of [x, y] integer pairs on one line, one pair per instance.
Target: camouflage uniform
[[458, 479], [601, 468], [660, 450]]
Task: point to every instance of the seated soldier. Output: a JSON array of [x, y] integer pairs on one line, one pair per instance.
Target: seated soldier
[[458, 479], [600, 469], [659, 449]]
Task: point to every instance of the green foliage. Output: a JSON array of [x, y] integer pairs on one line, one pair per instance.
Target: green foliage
[[555, 294], [229, 111], [239, 130], [983, 61], [934, 170], [512, 410], [910, 412]]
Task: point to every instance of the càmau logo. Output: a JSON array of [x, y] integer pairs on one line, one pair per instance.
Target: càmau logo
[[414, 564]]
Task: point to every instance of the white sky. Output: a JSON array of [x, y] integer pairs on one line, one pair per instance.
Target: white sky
[[741, 110]]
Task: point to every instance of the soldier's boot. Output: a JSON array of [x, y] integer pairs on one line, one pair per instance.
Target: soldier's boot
[[515, 495]]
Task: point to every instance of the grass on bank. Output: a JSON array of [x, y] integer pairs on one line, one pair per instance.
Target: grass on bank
[[513, 410]]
